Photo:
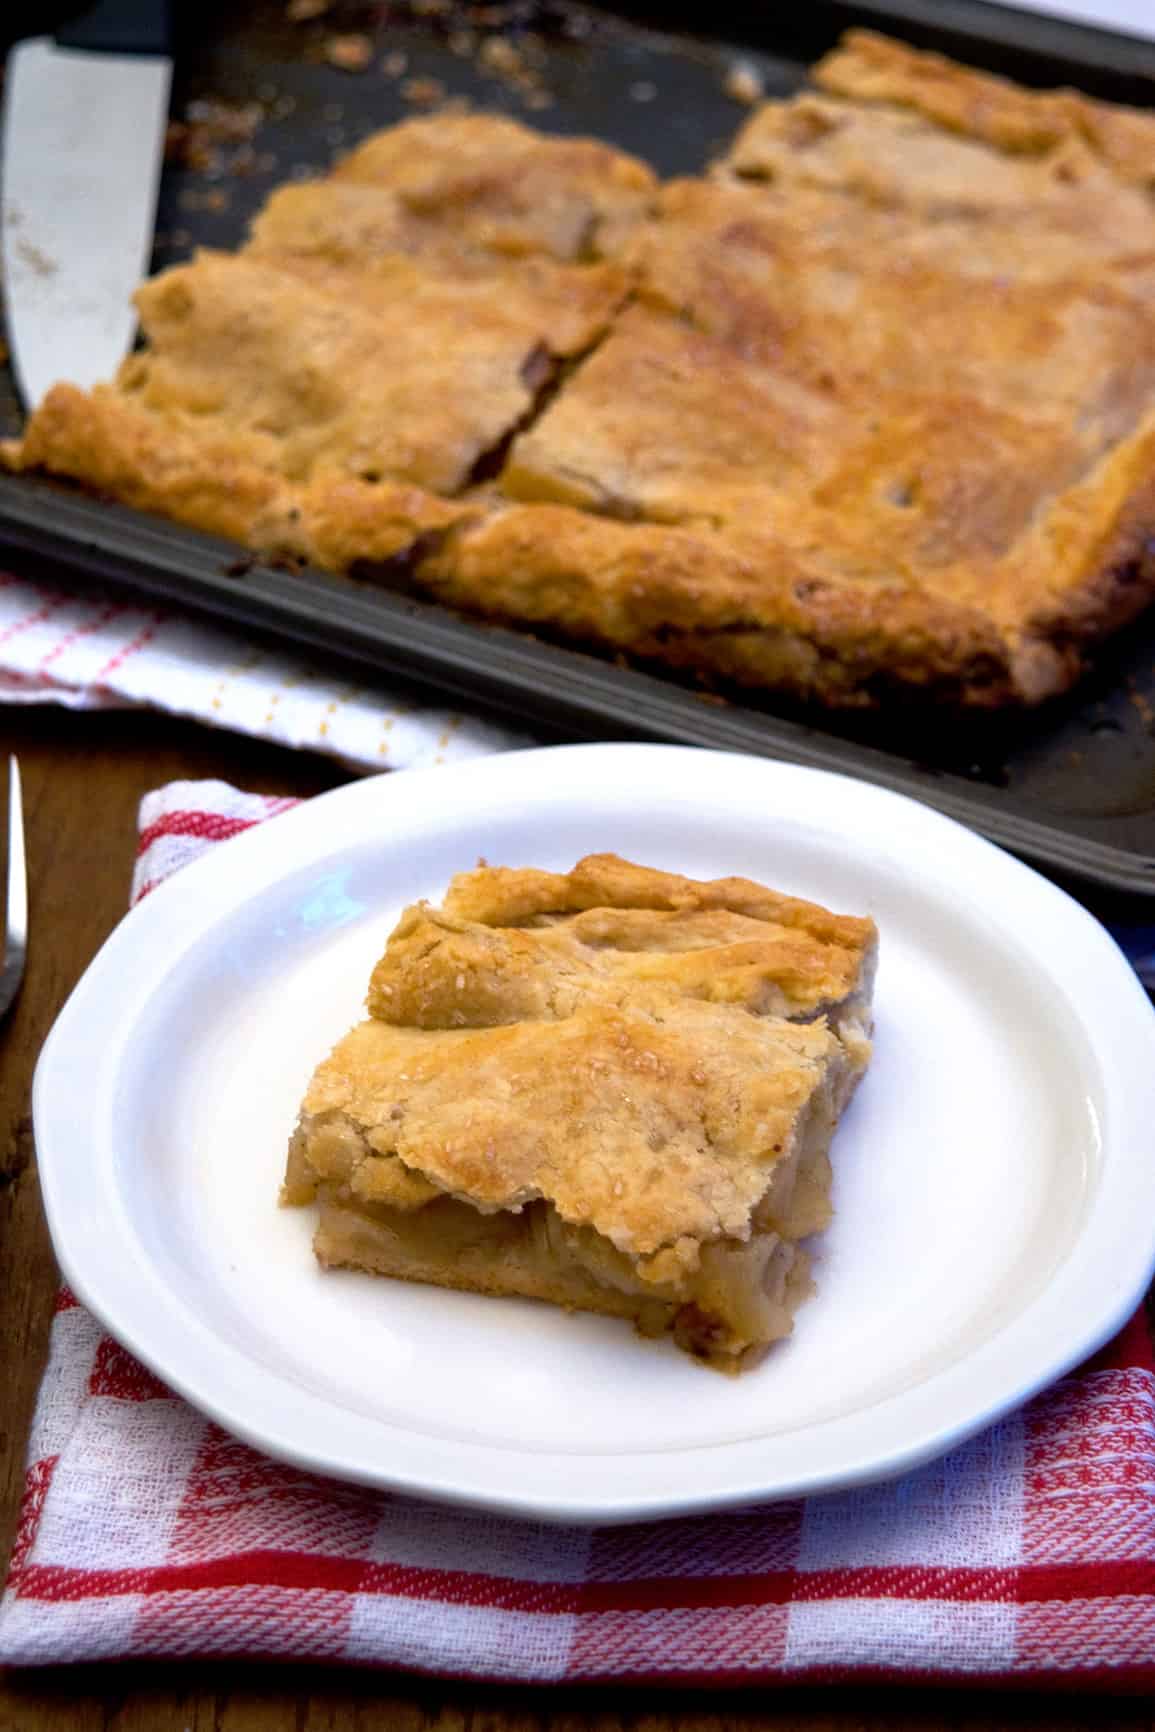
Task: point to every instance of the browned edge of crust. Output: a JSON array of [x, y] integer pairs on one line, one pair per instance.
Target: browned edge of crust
[[109, 445], [706, 603], [867, 66], [1117, 588]]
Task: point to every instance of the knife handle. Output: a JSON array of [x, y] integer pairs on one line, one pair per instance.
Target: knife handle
[[121, 27]]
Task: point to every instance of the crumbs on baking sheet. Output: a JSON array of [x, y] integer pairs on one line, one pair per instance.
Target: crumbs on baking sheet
[[215, 140], [351, 53], [1141, 703], [424, 92], [506, 41], [744, 83]]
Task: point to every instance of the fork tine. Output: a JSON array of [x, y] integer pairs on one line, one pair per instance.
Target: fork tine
[[16, 900]]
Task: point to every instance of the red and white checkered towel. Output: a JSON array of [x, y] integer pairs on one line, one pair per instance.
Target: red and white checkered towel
[[1026, 1556]]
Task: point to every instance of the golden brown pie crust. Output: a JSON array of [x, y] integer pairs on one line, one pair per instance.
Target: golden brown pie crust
[[868, 410], [612, 1088]]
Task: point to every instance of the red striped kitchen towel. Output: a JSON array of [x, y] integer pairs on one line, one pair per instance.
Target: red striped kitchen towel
[[95, 651], [1026, 1556]]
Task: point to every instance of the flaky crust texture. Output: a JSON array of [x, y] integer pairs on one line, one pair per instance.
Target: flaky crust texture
[[512, 945], [868, 410], [637, 1049]]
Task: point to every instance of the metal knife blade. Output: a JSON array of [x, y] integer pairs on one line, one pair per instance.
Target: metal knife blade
[[82, 145]]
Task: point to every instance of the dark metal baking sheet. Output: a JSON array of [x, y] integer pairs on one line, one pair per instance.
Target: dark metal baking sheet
[[1071, 786]]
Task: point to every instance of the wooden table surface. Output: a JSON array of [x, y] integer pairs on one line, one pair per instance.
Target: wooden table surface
[[84, 776]]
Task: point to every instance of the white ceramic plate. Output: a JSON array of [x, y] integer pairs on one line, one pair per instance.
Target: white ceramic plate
[[995, 1188]]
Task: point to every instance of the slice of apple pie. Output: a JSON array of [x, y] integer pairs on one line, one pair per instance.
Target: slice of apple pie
[[614, 1089]]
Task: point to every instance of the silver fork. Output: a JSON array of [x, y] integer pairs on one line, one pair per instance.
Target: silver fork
[[16, 902]]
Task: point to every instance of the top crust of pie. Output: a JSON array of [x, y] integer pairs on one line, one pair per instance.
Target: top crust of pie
[[870, 408], [873, 68], [519, 945], [478, 182], [637, 1049], [658, 1132], [514, 896]]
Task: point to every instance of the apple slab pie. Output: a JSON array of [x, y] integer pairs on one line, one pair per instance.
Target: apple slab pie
[[866, 411], [613, 1089]]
